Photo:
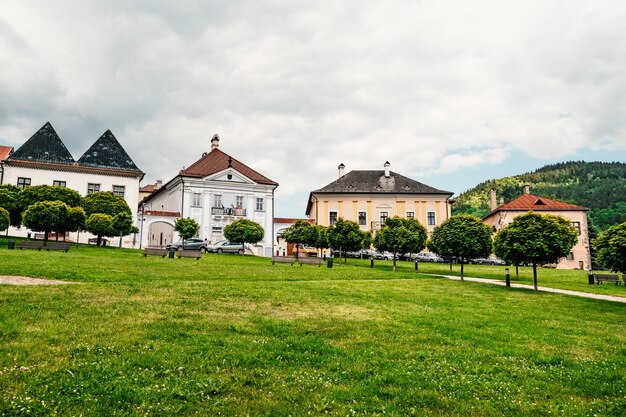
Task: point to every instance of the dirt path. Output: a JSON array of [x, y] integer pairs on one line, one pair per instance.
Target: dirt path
[[13, 280]]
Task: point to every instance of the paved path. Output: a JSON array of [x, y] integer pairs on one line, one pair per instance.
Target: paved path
[[545, 289]]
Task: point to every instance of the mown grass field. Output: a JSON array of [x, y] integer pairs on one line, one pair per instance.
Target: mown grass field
[[232, 335]]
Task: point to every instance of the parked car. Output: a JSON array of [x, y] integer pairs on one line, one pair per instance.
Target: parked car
[[190, 244], [225, 246], [428, 257], [491, 260]]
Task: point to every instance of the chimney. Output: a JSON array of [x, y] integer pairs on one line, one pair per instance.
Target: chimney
[[526, 189], [387, 165], [492, 199], [340, 169], [159, 184], [215, 141], [501, 201]]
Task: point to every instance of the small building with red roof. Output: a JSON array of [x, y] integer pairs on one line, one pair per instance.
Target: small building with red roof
[[502, 215], [215, 190]]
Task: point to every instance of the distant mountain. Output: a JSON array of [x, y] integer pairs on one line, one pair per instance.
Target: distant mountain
[[600, 186]]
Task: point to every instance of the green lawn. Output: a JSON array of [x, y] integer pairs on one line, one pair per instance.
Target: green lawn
[[232, 335]]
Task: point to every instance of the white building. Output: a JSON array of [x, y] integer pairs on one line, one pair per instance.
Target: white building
[[44, 160], [214, 191]]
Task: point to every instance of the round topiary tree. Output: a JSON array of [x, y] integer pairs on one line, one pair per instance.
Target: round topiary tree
[[9, 200], [345, 235], [610, 247], [46, 216], [99, 224], [536, 239], [186, 228], [244, 231], [400, 236], [36, 193], [5, 219], [464, 236], [105, 202], [301, 232]]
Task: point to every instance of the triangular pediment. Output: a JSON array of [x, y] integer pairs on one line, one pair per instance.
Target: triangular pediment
[[383, 206], [229, 175]]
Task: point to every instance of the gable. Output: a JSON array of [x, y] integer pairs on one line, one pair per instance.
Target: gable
[[229, 175]]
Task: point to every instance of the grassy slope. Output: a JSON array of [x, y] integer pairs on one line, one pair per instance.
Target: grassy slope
[[236, 336]]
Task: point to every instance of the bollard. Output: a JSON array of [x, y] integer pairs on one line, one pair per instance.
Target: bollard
[[590, 278], [507, 276], [416, 268], [171, 253], [11, 244], [371, 262], [329, 263]]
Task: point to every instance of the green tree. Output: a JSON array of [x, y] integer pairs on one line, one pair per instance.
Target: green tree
[[105, 202], [610, 246], [186, 228], [322, 238], [244, 231], [76, 219], [9, 200], [122, 225], [46, 216], [99, 224], [36, 193], [301, 233], [464, 236], [400, 236], [536, 239], [345, 235], [5, 220]]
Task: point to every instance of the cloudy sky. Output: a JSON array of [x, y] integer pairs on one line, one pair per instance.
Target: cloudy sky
[[451, 93]]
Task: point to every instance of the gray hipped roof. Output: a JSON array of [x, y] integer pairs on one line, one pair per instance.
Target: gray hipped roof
[[107, 152], [44, 146], [375, 182]]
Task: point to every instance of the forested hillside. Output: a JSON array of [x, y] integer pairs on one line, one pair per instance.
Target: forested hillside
[[600, 186]]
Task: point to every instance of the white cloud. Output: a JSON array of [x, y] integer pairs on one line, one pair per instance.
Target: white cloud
[[296, 88]]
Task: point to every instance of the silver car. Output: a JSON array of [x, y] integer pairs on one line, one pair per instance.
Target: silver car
[[428, 257], [225, 246]]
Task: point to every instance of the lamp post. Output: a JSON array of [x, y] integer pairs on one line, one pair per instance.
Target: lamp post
[[507, 275], [143, 210]]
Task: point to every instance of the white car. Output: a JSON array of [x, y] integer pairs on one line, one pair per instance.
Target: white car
[[428, 257]]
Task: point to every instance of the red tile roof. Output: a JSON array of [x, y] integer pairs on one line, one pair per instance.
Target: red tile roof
[[5, 151], [527, 202], [216, 161], [147, 188]]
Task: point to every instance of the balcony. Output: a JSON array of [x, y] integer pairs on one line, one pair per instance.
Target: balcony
[[221, 211]]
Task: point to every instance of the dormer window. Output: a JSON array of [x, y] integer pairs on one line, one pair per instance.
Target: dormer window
[[539, 202]]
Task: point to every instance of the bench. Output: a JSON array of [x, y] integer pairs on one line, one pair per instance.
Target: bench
[[600, 278], [311, 261], [30, 245], [162, 252], [283, 259], [189, 254], [64, 246]]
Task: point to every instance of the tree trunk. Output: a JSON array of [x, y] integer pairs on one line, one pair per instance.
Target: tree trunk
[[99, 241], [77, 237], [45, 236], [516, 271], [120, 240], [394, 262], [243, 249], [535, 275], [462, 262], [450, 266]]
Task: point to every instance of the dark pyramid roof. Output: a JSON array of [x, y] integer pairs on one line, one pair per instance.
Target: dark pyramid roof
[[107, 152], [376, 182], [44, 146]]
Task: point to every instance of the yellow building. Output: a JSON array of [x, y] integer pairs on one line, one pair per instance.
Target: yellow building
[[502, 215], [368, 197]]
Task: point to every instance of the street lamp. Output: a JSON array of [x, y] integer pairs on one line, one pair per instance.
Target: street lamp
[[507, 276], [142, 218]]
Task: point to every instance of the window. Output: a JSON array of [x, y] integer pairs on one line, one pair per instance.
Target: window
[[239, 202], [570, 257], [577, 226], [362, 218], [59, 183], [93, 188], [410, 214], [217, 201], [383, 217], [23, 182], [196, 200], [332, 217], [119, 190], [431, 218], [259, 204]]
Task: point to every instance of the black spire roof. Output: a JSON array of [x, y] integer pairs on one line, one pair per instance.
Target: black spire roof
[[107, 152], [376, 182], [44, 146]]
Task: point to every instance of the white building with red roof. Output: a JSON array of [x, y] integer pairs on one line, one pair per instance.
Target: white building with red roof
[[215, 190], [502, 215]]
